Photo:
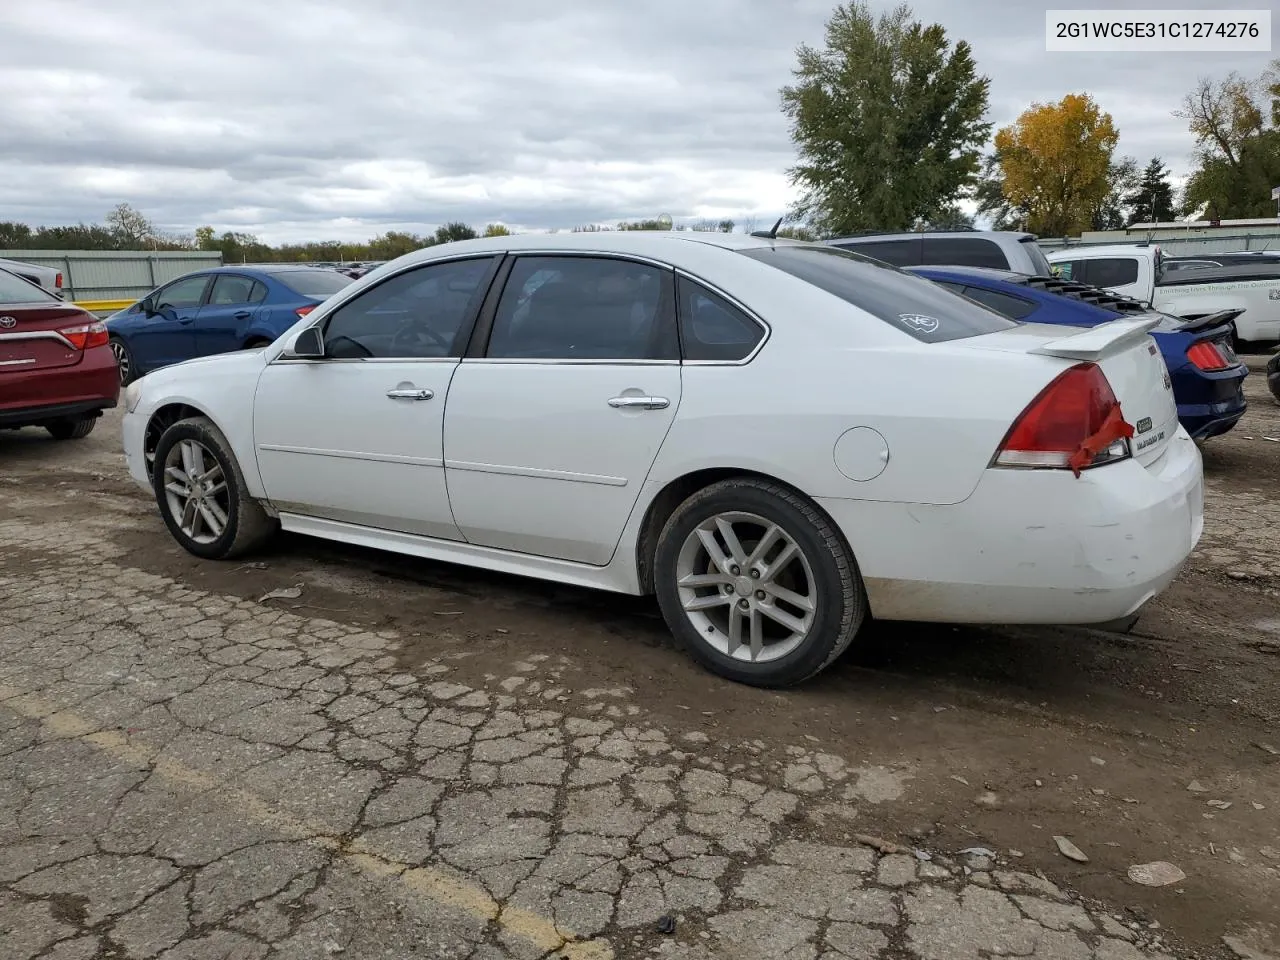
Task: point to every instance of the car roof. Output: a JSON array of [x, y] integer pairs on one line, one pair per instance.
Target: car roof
[[1102, 250], [262, 268], [1053, 292], [871, 237]]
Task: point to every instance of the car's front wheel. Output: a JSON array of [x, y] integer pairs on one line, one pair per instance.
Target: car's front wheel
[[72, 429], [124, 360], [202, 495], [757, 583]]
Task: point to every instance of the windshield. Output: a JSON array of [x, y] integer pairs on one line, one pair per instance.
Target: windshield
[[914, 305], [313, 282], [1038, 260], [13, 289]]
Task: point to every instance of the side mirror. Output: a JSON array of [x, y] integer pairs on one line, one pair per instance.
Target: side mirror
[[147, 306], [308, 345]]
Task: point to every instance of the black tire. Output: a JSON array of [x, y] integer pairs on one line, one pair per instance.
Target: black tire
[[248, 526], [71, 429], [841, 604], [124, 361]]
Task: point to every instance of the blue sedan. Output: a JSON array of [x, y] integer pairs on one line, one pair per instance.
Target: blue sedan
[[216, 311], [1208, 378]]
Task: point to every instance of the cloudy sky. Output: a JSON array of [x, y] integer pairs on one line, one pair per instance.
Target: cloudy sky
[[314, 119]]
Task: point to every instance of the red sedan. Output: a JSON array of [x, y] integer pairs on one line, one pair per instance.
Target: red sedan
[[56, 369]]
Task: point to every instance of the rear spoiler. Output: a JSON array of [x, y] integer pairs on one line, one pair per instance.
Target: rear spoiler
[[1209, 320], [1100, 341]]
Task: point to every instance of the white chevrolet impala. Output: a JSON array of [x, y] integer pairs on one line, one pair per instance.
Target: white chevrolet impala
[[780, 440]]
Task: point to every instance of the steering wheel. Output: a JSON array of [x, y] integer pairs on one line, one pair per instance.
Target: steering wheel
[[412, 337]]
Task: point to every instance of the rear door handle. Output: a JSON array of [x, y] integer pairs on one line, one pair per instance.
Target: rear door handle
[[412, 394], [242, 314], [644, 403]]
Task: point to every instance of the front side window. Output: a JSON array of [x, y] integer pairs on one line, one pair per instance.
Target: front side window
[[964, 252], [584, 308], [187, 292], [912, 304], [1112, 271], [418, 314], [711, 328]]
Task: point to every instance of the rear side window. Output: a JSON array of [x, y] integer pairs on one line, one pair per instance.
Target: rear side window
[[13, 289], [314, 282], [901, 253], [229, 288], [711, 328], [1111, 271], [1005, 304], [912, 304], [964, 252]]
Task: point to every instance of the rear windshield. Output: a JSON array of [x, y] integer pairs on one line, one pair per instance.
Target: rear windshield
[[313, 282], [13, 289], [914, 305], [1038, 259]]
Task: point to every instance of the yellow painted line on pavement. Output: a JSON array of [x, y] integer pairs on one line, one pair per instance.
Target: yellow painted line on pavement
[[436, 885]]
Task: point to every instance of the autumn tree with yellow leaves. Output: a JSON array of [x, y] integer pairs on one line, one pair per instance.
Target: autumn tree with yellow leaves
[[1054, 165]]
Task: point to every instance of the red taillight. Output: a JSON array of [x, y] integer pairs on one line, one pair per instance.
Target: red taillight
[[87, 335], [57, 281], [1075, 422], [1207, 356], [303, 311]]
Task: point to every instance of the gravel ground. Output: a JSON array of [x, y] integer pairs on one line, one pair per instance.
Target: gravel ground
[[415, 760]]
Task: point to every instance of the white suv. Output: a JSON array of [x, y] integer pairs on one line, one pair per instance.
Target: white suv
[[998, 249]]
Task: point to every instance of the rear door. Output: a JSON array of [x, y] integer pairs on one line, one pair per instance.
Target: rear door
[[224, 320], [551, 430], [167, 335]]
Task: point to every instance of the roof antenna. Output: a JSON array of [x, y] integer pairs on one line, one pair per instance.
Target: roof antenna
[[769, 234]]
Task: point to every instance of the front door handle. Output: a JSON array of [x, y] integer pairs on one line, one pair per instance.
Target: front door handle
[[410, 394], [644, 403]]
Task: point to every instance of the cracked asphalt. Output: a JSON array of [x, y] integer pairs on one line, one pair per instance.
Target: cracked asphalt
[[416, 761]]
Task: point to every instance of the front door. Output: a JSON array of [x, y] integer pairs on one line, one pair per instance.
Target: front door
[[358, 435], [167, 335], [550, 433], [224, 321]]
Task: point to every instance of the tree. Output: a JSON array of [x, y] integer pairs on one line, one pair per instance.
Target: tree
[[1055, 164], [454, 230], [1111, 210], [206, 239], [130, 227], [948, 218], [1151, 199], [888, 121], [1237, 135], [496, 230]]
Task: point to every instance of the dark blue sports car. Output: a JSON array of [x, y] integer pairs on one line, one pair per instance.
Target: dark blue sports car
[[216, 311], [1208, 378]]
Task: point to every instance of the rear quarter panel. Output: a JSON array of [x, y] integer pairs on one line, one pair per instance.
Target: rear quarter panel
[[828, 368]]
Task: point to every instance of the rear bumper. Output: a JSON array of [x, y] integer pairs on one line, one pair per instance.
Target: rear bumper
[[90, 386], [1033, 546]]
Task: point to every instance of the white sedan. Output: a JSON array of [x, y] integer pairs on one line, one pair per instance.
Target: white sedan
[[780, 440]]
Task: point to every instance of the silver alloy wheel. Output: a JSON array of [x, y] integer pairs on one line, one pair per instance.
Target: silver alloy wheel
[[747, 587], [196, 491], [122, 358]]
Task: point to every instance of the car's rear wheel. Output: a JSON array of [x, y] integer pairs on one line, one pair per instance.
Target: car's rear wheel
[[757, 583], [124, 360], [71, 429], [202, 495]]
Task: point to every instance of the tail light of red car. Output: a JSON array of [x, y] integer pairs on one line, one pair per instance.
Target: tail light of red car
[[1207, 356], [304, 310], [57, 281], [1072, 424], [85, 336]]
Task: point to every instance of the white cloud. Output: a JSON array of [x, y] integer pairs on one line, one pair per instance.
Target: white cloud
[[303, 119]]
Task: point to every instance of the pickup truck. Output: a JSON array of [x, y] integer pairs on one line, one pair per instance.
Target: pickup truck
[[1139, 272], [46, 278]]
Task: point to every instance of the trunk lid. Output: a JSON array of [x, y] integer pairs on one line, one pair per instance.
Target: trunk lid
[[29, 337], [1131, 361]]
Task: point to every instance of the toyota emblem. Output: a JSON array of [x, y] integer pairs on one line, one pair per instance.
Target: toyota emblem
[[8, 322]]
